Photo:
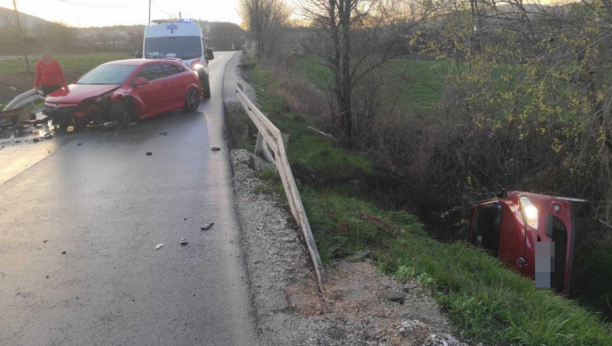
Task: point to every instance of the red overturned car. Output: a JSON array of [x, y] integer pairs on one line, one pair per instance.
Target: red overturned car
[[121, 92], [533, 234]]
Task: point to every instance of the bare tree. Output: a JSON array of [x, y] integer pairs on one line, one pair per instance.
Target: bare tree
[[8, 23], [355, 38], [266, 21]]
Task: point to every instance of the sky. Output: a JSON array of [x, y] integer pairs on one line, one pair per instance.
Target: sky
[[86, 13]]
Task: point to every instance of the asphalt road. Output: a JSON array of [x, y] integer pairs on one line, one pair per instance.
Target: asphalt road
[[107, 205]]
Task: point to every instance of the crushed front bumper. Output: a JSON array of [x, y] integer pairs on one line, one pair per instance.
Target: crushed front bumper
[[60, 112]]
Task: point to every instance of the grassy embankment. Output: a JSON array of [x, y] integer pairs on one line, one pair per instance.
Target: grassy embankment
[[486, 301]]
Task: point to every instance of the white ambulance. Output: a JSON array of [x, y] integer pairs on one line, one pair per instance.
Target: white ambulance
[[181, 39]]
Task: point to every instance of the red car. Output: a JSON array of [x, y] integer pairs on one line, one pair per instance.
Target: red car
[[533, 234], [125, 91]]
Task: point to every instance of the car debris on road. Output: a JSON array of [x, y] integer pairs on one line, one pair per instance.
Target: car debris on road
[[159, 246], [215, 149], [183, 241], [207, 227]]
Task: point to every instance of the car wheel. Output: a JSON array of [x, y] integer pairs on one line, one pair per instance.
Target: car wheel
[[206, 88], [192, 100], [123, 111], [81, 123]]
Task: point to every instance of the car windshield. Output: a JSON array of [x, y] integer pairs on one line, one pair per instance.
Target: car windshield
[[107, 75], [182, 47]]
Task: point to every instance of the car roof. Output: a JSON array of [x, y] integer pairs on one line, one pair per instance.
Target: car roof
[[139, 62]]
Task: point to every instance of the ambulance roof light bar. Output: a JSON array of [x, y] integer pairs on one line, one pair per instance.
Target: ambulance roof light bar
[[167, 21]]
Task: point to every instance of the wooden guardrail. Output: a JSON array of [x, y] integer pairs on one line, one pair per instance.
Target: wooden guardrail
[[271, 135]]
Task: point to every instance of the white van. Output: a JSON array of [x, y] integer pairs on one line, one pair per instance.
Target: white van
[[182, 39]]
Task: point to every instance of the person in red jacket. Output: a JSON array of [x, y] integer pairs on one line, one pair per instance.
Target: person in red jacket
[[49, 74]]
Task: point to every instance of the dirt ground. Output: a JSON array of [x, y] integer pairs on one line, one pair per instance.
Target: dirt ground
[[382, 309], [21, 82]]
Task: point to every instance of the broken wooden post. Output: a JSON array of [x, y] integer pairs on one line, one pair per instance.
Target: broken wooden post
[[259, 144], [322, 134]]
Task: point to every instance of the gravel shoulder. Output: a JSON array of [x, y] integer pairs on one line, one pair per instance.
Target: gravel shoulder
[[360, 307]]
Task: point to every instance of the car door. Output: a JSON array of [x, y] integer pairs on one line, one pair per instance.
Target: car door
[[173, 85], [151, 94]]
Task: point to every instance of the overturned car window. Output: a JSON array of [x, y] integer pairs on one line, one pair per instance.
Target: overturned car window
[[182, 47], [107, 75]]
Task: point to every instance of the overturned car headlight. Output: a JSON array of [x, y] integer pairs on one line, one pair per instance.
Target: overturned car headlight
[[197, 66], [530, 212]]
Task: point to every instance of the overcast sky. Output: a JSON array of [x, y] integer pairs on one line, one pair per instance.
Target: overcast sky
[[84, 13]]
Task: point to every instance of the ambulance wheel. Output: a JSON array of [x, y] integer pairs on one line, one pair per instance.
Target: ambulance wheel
[[206, 88]]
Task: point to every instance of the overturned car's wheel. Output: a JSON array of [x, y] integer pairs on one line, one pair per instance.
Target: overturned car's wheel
[[192, 100]]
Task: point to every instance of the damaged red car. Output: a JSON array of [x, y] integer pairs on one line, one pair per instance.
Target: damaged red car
[[124, 91], [533, 234]]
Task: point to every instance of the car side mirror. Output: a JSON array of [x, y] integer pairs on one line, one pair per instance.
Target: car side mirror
[[209, 54], [140, 81], [138, 55]]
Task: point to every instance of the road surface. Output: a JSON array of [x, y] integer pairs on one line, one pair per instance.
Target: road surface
[[107, 205]]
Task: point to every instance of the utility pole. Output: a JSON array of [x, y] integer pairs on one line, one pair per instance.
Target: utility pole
[[180, 17], [149, 12], [25, 54]]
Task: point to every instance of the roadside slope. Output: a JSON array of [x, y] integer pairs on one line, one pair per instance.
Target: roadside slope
[[485, 301], [360, 307]]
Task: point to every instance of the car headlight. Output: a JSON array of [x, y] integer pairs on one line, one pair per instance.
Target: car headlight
[[530, 212], [198, 66]]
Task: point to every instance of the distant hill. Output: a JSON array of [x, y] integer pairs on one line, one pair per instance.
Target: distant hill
[[28, 23], [125, 38]]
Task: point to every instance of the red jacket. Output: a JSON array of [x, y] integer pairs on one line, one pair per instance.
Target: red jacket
[[49, 75]]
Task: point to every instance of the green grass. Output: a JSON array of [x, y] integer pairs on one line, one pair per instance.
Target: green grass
[[416, 84], [318, 73], [307, 153], [69, 63], [592, 274], [421, 82], [485, 301]]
